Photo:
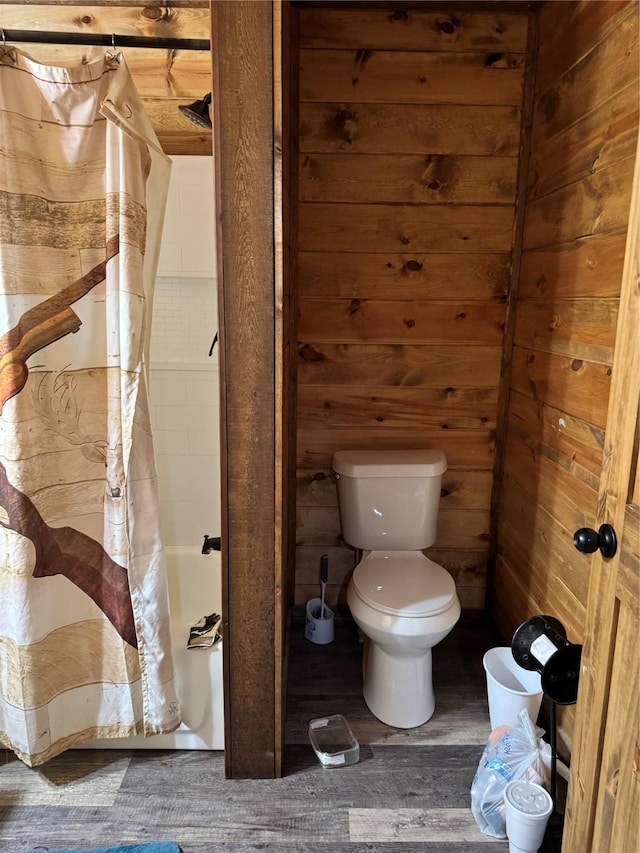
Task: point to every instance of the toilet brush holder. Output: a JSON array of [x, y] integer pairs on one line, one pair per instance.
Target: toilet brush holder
[[318, 624]]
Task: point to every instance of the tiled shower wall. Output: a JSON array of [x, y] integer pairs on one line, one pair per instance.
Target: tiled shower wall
[[184, 390]]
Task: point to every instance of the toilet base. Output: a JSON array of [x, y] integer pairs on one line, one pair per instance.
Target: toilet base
[[398, 690]]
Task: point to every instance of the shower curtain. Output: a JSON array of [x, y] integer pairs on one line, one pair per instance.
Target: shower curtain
[[84, 629]]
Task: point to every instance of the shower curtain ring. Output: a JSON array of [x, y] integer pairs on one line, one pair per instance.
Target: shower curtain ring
[[4, 37], [113, 40]]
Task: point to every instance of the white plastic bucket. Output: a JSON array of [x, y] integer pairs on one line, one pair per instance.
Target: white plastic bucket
[[510, 688]]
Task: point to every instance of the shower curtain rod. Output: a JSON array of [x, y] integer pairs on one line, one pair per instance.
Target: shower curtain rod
[[97, 39]]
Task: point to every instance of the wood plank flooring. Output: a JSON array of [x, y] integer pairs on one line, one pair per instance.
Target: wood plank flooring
[[408, 793]]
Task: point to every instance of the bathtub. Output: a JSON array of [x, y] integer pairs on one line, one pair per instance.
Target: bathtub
[[194, 587]]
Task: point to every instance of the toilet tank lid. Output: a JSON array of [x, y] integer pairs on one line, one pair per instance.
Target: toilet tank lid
[[389, 463]]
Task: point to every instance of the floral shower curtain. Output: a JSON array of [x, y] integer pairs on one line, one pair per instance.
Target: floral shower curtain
[[84, 629]]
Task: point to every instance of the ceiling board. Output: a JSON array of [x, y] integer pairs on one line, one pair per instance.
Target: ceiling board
[[164, 78]]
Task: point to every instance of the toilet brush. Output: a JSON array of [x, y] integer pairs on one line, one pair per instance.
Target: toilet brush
[[324, 574]]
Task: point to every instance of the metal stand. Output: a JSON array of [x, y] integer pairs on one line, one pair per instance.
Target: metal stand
[[554, 759], [540, 644]]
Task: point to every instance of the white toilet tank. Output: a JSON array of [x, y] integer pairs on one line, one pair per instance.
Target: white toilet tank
[[389, 499]]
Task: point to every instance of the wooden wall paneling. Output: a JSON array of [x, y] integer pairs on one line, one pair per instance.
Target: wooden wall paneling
[[463, 448], [520, 585], [591, 46], [609, 67], [407, 190], [584, 127], [549, 545], [434, 179], [409, 276], [353, 320], [243, 98], [570, 442], [389, 406], [598, 204], [393, 128], [333, 364], [393, 228], [588, 24], [591, 148], [369, 76], [412, 29], [584, 268], [582, 328], [510, 586], [569, 500], [581, 388]]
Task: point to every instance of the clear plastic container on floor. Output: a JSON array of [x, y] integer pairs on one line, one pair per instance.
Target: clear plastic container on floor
[[333, 741]]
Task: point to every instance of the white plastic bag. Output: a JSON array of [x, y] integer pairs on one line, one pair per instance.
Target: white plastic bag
[[519, 753]]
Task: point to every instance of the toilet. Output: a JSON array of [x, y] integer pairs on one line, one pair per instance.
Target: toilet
[[402, 601]]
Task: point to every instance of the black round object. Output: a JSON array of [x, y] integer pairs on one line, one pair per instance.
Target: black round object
[[530, 631], [561, 674], [587, 541]]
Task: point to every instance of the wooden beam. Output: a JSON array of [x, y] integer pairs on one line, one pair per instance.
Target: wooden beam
[[149, 4], [244, 150]]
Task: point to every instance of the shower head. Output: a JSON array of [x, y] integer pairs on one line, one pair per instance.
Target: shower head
[[198, 111]]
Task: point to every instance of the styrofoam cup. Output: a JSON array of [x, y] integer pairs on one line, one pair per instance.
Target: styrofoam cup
[[527, 808], [510, 688], [318, 630]]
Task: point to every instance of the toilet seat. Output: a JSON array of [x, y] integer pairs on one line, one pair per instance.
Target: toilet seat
[[403, 583]]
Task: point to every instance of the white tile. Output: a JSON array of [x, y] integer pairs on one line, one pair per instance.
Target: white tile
[[176, 490], [198, 253], [203, 388], [172, 465], [168, 390], [184, 418], [205, 490], [205, 519], [171, 441], [204, 442]]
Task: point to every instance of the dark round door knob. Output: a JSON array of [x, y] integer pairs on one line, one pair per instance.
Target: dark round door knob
[[588, 541]]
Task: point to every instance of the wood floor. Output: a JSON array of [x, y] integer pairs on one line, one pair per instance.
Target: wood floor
[[409, 792]]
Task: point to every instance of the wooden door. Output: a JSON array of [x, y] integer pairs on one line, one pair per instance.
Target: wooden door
[[603, 809]]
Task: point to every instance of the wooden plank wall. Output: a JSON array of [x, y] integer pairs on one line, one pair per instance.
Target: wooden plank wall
[[584, 132], [409, 135], [164, 78]]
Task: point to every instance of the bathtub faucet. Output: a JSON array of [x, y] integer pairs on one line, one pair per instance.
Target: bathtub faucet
[[211, 543]]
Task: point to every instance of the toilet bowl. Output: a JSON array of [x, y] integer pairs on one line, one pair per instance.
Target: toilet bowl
[[404, 604], [402, 601]]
